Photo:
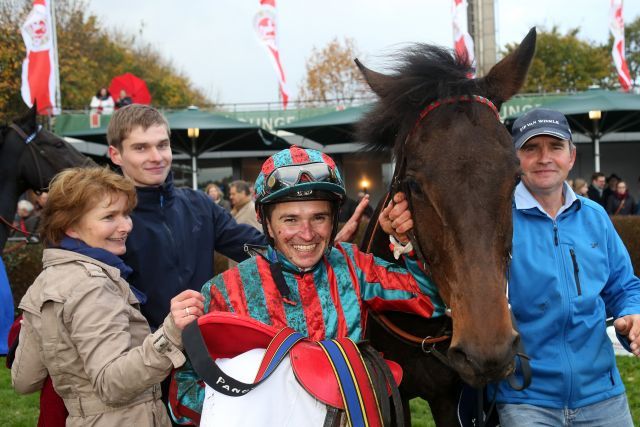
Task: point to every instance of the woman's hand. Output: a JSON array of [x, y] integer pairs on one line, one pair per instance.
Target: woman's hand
[[186, 307]]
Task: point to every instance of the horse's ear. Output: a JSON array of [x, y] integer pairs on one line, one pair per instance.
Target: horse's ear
[[378, 82], [507, 77]]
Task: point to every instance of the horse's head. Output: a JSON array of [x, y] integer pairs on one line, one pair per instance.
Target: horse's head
[[40, 153], [457, 163], [29, 158]]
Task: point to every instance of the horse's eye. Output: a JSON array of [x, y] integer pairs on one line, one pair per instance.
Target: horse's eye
[[414, 187], [59, 144]]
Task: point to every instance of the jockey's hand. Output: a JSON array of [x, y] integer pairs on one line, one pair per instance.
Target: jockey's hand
[[395, 219], [629, 326], [186, 307], [349, 229]]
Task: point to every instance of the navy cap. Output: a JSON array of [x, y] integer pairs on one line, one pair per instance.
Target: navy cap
[[540, 121]]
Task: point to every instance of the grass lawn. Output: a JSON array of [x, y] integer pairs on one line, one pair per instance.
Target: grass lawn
[[22, 411]]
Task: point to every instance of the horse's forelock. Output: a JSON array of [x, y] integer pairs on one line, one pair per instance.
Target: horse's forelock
[[423, 73]]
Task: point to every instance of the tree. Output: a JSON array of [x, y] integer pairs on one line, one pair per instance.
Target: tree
[[565, 63], [89, 57], [332, 75]]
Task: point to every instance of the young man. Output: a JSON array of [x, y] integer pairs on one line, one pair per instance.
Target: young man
[[323, 290], [175, 230]]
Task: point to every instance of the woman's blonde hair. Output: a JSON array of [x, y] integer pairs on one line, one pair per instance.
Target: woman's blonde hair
[[73, 192]]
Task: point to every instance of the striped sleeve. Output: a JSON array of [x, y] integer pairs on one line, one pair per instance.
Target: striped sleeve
[[388, 287]]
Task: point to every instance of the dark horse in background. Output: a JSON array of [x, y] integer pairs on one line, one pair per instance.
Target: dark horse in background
[[456, 162], [30, 156]]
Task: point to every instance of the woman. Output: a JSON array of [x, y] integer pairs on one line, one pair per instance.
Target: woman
[[580, 187], [102, 103], [621, 202], [82, 324], [215, 194]]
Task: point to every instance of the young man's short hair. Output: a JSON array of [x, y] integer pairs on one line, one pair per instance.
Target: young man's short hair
[[74, 192], [596, 175], [126, 119]]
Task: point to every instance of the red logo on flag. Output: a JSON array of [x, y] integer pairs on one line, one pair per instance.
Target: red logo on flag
[[39, 81], [616, 24]]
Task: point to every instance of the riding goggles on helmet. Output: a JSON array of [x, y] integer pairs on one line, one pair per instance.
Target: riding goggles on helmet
[[289, 176], [301, 178]]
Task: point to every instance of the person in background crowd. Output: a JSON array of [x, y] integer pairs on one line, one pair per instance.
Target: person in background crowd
[[580, 187], [596, 189], [123, 99], [23, 213], [102, 102], [215, 194], [39, 201], [621, 202], [82, 324], [243, 209], [610, 189]]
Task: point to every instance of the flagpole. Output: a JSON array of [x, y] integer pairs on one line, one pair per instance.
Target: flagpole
[[57, 109]]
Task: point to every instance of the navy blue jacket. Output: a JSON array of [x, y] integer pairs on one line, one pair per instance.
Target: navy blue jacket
[[175, 233]]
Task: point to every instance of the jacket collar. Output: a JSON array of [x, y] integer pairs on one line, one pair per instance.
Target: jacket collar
[[154, 196], [524, 201], [54, 256]]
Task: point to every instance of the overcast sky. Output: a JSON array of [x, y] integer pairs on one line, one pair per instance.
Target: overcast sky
[[214, 43]]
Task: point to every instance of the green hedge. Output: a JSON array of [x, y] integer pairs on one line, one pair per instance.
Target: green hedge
[[628, 228]]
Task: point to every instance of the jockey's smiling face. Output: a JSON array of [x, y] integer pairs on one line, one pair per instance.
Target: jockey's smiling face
[[301, 230]]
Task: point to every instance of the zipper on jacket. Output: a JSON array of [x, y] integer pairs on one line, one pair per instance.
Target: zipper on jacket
[[555, 233], [162, 200], [576, 270]]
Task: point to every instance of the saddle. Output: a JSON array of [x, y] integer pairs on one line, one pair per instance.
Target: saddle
[[339, 373]]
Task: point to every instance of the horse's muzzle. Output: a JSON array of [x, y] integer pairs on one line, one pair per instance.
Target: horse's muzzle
[[482, 364]]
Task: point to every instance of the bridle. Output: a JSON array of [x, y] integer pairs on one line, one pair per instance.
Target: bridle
[[28, 139], [399, 184]]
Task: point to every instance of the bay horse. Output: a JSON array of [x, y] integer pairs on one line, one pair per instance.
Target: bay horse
[[30, 157], [456, 163]]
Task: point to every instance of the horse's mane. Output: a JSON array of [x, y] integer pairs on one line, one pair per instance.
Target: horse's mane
[[423, 74]]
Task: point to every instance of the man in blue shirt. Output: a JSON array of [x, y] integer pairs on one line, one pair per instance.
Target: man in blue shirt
[[570, 272]]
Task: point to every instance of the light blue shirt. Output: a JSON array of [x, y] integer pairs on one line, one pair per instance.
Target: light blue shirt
[[525, 200]]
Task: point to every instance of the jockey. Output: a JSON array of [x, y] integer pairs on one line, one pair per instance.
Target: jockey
[[300, 279]]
